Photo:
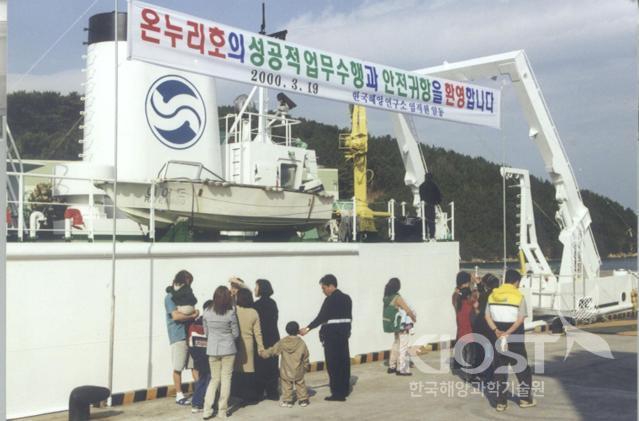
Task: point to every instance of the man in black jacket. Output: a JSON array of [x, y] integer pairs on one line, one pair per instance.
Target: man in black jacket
[[429, 193], [335, 317]]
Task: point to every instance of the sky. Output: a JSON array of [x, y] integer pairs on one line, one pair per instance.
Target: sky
[[583, 52]]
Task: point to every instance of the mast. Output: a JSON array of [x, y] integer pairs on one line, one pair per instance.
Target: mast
[[262, 94]]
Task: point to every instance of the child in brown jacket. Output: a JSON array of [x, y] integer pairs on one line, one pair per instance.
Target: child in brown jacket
[[294, 362]]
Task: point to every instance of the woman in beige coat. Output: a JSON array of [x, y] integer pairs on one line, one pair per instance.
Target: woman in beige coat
[[243, 385]]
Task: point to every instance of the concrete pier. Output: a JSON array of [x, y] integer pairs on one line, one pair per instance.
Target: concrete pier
[[584, 386]]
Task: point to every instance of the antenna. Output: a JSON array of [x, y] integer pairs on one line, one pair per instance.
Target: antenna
[[263, 27], [279, 34]]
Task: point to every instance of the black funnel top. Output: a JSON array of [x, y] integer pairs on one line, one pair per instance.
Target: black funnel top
[[101, 27]]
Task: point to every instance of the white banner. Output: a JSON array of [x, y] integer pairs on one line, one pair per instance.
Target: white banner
[[169, 38]]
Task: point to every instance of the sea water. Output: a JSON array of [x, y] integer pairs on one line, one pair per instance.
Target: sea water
[[607, 265]]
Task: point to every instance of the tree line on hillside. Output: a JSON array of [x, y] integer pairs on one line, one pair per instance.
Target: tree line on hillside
[[47, 125]]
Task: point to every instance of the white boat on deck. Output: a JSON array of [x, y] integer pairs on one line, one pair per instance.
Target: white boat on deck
[[269, 182], [220, 205]]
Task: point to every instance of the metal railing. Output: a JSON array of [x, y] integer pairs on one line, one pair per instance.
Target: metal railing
[[235, 132], [391, 219], [40, 212], [349, 208], [354, 218], [450, 220], [13, 157], [570, 298]]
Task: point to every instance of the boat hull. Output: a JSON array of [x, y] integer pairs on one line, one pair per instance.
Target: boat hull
[[222, 206]]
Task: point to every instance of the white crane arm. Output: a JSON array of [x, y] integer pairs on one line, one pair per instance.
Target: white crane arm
[[580, 251], [412, 158]]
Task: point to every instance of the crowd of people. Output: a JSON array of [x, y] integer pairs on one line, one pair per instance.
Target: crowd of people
[[233, 346], [490, 330]]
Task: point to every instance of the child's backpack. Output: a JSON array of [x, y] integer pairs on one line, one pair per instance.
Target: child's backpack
[[195, 333], [391, 318], [197, 346]]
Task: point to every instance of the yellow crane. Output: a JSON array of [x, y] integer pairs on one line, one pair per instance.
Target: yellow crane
[[355, 145]]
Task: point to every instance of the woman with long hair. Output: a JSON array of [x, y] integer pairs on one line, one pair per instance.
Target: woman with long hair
[[221, 328], [480, 326], [243, 385], [466, 309], [398, 319], [267, 373]]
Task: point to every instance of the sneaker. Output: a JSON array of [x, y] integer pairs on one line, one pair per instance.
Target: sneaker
[[196, 409], [391, 370], [500, 407], [183, 401], [304, 403], [284, 404], [527, 404]]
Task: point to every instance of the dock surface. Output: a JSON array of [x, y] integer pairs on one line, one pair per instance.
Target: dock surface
[[584, 386]]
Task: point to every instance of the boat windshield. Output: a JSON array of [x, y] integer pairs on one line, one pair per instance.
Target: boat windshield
[[193, 171]]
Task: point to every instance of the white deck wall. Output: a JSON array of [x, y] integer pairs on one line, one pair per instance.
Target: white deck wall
[[59, 305]]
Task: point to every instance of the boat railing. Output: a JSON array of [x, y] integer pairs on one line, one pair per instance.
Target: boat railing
[[44, 214], [279, 128], [186, 170]]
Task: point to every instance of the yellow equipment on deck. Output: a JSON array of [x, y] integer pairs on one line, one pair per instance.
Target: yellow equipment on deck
[[355, 144], [522, 262]]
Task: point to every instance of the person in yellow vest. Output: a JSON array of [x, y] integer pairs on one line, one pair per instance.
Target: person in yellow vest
[[505, 316]]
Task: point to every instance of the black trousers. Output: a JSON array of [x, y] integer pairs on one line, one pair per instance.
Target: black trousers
[[469, 354], [243, 386], [481, 328], [524, 377], [338, 364], [267, 378], [430, 220]]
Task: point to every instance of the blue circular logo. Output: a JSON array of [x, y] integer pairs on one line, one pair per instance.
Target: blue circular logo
[[175, 112]]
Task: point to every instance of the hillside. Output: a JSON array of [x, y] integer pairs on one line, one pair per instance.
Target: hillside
[[475, 186], [46, 126]]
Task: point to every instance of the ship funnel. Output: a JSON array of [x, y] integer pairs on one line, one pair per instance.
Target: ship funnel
[[163, 114]]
